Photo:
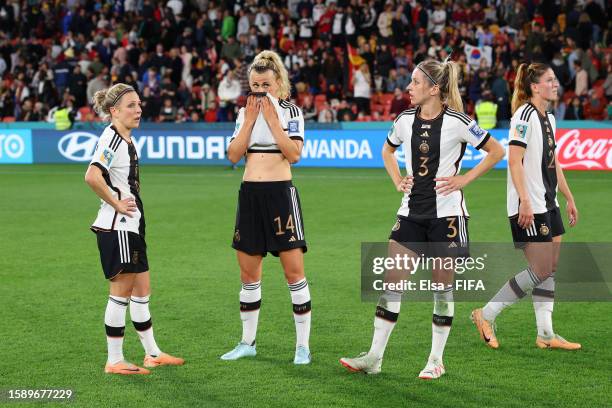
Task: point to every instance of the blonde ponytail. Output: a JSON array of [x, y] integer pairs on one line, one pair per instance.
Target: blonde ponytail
[[446, 76], [453, 98], [270, 60]]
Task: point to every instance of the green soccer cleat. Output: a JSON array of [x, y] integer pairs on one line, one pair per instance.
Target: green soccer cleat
[[240, 351], [302, 355]]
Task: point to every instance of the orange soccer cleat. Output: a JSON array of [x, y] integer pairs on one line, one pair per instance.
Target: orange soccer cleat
[[557, 342], [485, 328], [124, 368], [162, 359]]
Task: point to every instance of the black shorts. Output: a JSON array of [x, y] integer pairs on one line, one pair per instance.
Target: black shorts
[[545, 226], [433, 237], [122, 251], [268, 219]]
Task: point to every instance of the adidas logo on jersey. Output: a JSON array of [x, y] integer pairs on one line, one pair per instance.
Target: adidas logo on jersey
[[123, 219], [425, 134], [292, 239]]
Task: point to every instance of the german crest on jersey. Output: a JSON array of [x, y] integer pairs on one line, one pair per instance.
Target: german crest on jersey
[[424, 147], [544, 230], [107, 157]]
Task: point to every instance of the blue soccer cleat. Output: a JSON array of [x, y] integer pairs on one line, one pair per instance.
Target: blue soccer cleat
[[302, 355], [240, 351]]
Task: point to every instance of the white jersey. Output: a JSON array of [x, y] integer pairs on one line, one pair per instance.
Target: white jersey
[[262, 140], [118, 161], [434, 148], [535, 133]]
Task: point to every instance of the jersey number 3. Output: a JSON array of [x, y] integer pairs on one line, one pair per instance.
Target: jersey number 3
[[423, 169]]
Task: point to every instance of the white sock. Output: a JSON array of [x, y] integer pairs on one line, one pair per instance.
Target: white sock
[[114, 321], [300, 297], [250, 302], [141, 318], [512, 291], [444, 310], [543, 297], [387, 312]]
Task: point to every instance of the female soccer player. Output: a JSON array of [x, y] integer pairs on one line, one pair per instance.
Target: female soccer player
[[120, 228], [533, 209], [433, 211], [270, 134]]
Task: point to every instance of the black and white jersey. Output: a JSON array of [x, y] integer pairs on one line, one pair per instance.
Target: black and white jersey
[[262, 140], [118, 161], [434, 148], [536, 133]]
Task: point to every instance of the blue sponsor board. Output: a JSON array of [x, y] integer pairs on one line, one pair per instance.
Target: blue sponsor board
[[157, 147], [15, 146], [322, 148]]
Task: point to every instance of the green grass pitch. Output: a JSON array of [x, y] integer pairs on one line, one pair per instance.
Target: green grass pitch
[[53, 297]]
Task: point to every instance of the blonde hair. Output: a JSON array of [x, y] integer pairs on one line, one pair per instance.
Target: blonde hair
[[446, 76], [525, 76], [105, 99], [269, 60]]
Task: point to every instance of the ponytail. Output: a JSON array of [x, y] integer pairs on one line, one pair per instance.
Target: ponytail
[[270, 60], [453, 98], [446, 76], [520, 96], [525, 77]]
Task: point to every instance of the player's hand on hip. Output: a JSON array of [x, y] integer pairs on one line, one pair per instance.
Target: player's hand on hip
[[449, 184], [572, 213], [127, 206], [269, 111], [405, 184], [525, 218], [253, 106]]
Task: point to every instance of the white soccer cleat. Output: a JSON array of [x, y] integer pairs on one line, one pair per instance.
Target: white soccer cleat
[[433, 370], [240, 351], [365, 362]]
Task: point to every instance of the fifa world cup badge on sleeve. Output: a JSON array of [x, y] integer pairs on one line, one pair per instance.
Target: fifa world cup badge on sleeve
[[521, 131], [477, 131], [293, 126], [107, 157]]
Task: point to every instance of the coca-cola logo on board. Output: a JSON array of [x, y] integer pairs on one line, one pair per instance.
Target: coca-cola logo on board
[[589, 149]]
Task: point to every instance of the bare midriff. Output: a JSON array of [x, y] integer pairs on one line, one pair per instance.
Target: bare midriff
[[266, 167]]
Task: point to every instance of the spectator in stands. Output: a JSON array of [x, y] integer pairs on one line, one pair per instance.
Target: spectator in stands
[[399, 103], [486, 111], [229, 90], [582, 80], [308, 110], [362, 89], [574, 110], [344, 112], [168, 112], [326, 116], [211, 114]]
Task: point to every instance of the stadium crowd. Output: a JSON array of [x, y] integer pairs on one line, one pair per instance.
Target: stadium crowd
[[348, 59]]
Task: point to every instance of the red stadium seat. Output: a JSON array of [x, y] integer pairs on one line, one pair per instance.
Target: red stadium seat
[[8, 119]]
